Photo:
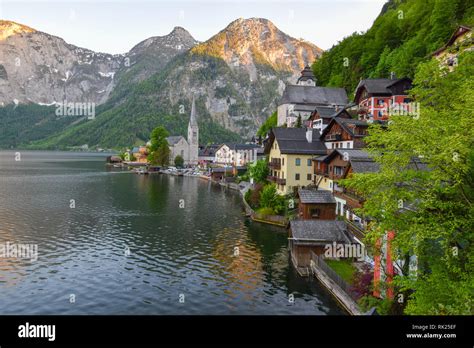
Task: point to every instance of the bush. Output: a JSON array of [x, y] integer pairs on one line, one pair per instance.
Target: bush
[[265, 211], [269, 198], [253, 196], [362, 282]]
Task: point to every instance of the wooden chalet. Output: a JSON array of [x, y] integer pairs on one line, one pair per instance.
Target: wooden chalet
[[345, 133], [316, 205], [322, 116]]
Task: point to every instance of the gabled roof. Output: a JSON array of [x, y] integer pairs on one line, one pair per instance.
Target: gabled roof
[[346, 124], [174, 139], [315, 196], [364, 166], [320, 231], [293, 141], [315, 95], [459, 31], [352, 154], [237, 147], [377, 86]]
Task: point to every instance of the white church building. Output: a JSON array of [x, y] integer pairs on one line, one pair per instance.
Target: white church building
[[188, 149]]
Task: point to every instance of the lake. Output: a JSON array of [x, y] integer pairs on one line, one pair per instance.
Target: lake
[[111, 242]]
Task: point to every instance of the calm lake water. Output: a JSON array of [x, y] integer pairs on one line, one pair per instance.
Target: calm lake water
[[175, 254]]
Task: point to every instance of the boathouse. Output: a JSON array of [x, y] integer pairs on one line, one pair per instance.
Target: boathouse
[[316, 204], [306, 236]]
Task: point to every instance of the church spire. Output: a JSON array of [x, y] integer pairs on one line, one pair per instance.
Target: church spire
[[192, 120]]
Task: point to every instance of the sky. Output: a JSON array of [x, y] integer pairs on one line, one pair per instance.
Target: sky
[[115, 26]]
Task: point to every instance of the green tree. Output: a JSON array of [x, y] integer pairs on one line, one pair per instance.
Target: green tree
[[179, 161], [158, 138], [298, 122], [269, 198], [268, 124], [160, 156], [259, 171], [435, 223]]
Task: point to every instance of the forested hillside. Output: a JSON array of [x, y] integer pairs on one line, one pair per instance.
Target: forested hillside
[[405, 33]]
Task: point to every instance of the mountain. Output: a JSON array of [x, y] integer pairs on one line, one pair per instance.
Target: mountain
[[40, 68], [404, 34], [237, 77], [36, 67]]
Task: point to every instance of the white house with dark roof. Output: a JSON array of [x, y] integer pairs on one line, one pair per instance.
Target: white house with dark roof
[[301, 99], [236, 154]]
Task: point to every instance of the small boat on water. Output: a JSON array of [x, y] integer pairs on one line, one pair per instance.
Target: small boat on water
[[140, 171]]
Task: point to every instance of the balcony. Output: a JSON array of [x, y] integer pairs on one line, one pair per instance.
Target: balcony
[[280, 181], [271, 178], [333, 137], [276, 180], [275, 165]]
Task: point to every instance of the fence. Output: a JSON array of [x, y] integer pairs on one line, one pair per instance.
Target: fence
[[323, 266]]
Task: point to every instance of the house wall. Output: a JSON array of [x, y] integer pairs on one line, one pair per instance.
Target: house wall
[[302, 254], [282, 112], [327, 211], [289, 169]]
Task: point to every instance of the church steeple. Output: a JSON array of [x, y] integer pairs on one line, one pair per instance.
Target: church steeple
[[192, 120], [193, 135]]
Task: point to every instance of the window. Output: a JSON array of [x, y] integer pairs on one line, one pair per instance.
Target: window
[[283, 161], [380, 113], [298, 162], [308, 176], [297, 176], [330, 185], [310, 163], [315, 213]]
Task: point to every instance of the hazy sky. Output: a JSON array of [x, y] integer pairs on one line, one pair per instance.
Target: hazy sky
[[115, 26]]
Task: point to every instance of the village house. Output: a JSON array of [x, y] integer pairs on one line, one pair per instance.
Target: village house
[[290, 152], [207, 155], [316, 204], [236, 154], [375, 97], [330, 168], [140, 153], [460, 41], [301, 99], [345, 133], [322, 116], [306, 236]]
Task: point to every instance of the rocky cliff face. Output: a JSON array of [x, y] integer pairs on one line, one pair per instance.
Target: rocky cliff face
[[240, 73], [41, 68], [247, 43]]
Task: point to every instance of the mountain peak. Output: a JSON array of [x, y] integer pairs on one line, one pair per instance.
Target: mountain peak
[[9, 28], [246, 43], [180, 31]]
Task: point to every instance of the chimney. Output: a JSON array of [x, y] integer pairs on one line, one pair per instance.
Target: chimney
[[309, 135], [392, 76]]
